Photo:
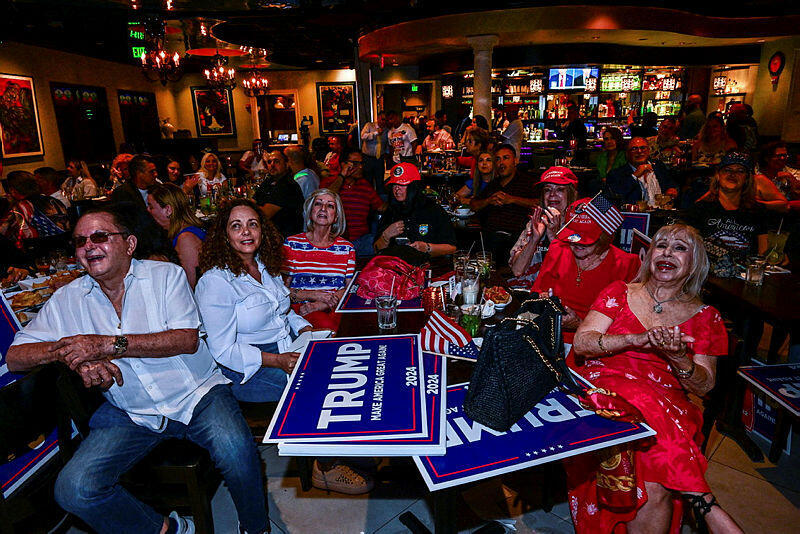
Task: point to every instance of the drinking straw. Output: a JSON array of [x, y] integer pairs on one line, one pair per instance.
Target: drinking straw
[[482, 249], [780, 226], [470, 249], [391, 290]]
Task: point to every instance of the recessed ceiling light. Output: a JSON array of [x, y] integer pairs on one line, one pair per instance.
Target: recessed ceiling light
[[317, 61], [761, 40]]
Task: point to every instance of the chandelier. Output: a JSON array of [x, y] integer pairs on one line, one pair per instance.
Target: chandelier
[[255, 83], [220, 76], [158, 65]]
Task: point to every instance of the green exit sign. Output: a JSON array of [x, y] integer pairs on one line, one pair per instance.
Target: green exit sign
[[137, 34], [414, 88], [137, 51]]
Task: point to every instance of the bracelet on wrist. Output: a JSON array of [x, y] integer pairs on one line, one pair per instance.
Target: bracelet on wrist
[[684, 373], [600, 344], [428, 248]]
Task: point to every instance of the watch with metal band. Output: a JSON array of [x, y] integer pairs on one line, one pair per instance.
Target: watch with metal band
[[120, 346], [685, 373]]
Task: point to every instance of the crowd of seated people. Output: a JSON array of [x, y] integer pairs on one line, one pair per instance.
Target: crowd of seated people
[[266, 270]]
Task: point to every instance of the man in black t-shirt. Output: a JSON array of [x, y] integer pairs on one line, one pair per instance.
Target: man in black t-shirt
[[279, 196]]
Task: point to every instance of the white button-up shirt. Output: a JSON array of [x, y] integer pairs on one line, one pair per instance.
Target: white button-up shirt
[[239, 313], [157, 298]]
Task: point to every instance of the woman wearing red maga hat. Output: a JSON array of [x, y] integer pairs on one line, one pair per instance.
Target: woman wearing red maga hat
[[558, 189], [413, 219], [581, 262]]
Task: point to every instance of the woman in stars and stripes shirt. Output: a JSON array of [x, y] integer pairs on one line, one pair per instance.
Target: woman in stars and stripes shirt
[[318, 263]]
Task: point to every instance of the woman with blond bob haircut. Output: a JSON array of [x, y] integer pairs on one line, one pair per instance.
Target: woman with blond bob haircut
[[170, 208], [318, 263], [210, 173], [648, 344]]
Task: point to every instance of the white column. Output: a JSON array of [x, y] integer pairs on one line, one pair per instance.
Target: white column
[[254, 117], [482, 46]]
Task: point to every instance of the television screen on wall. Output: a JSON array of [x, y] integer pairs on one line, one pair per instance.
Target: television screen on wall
[[571, 78]]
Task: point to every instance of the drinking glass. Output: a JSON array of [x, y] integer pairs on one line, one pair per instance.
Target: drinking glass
[[433, 299], [755, 271], [386, 305], [485, 264], [460, 259], [471, 318], [775, 244], [471, 282]]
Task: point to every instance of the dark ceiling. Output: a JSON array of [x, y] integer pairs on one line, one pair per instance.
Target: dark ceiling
[[318, 34]]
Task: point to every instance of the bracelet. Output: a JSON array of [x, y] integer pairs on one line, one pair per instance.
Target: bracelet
[[428, 248], [600, 344], [687, 373]]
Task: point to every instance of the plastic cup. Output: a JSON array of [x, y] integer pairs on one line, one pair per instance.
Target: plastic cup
[[471, 283], [755, 271], [775, 245], [386, 307], [471, 318]]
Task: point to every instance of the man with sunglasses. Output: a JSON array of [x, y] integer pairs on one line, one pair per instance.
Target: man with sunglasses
[[641, 179], [131, 328]]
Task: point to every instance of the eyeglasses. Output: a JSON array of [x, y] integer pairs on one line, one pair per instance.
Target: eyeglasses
[[639, 148], [96, 238]]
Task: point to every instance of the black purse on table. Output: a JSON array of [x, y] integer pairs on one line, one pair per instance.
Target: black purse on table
[[521, 361]]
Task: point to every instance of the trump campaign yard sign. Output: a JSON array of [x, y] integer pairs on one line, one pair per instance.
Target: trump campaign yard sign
[[344, 389], [557, 427]]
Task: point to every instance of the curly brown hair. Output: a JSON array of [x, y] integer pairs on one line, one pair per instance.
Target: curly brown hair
[[217, 252]]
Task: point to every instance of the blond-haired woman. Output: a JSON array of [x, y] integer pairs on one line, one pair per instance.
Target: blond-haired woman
[[210, 173], [170, 208], [652, 342]]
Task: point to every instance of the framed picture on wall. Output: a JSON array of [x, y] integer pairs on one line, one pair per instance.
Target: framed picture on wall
[[213, 112], [336, 106], [20, 132]]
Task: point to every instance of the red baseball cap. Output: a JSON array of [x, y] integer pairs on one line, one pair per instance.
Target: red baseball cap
[[558, 176], [403, 174], [582, 230]]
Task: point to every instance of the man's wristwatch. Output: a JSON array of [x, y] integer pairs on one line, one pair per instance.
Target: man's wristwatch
[[428, 248], [120, 346]]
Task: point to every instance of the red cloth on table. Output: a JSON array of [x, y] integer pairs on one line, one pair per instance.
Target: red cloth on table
[[559, 272], [673, 457]]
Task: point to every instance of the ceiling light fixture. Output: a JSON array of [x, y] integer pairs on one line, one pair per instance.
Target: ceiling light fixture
[[447, 91], [157, 63], [220, 76]]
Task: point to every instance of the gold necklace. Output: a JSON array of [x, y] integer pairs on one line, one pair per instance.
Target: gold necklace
[[578, 278]]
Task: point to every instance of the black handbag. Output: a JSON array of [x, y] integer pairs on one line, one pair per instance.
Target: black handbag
[[521, 361]]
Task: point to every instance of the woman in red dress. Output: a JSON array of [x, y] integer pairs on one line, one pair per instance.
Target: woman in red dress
[[651, 342], [581, 261]]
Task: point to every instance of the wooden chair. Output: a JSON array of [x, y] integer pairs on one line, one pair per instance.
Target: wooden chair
[[176, 475]]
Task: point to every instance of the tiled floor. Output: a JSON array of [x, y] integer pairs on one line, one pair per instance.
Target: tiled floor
[[763, 498]]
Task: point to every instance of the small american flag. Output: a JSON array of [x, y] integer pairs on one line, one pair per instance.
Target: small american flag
[[441, 334], [604, 213]]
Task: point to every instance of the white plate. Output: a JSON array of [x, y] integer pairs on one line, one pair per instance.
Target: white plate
[[469, 214]]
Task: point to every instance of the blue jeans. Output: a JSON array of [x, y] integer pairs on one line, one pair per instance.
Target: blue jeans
[[88, 486], [266, 385]]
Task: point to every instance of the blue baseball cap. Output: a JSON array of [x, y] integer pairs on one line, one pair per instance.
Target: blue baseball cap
[[736, 158]]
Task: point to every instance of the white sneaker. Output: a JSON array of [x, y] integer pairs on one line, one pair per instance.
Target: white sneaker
[[185, 525]]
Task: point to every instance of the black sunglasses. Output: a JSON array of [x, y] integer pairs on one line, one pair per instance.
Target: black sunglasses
[[96, 238]]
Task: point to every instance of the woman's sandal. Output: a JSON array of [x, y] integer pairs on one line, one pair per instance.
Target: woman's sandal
[[699, 505]]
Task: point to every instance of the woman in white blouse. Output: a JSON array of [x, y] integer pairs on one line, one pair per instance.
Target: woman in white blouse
[[244, 303], [210, 173]]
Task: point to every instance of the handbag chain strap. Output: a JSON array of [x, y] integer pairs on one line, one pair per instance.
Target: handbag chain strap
[[544, 360]]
